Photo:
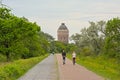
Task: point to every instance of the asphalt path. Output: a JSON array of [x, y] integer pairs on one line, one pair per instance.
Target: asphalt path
[[45, 70], [52, 68]]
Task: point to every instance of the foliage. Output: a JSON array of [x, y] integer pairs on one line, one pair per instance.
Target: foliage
[[2, 58], [14, 70], [91, 37], [59, 46], [48, 37], [4, 13], [112, 43], [87, 51], [20, 38], [47, 42], [104, 67], [99, 46], [71, 47]]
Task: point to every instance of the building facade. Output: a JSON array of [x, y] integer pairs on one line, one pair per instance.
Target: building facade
[[63, 33]]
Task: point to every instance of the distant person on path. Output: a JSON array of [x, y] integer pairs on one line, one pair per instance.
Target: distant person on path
[[63, 56], [53, 53], [74, 57]]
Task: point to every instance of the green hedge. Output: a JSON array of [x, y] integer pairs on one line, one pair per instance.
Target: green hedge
[[14, 70]]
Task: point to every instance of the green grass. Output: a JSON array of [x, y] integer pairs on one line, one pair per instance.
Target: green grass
[[13, 70], [107, 68]]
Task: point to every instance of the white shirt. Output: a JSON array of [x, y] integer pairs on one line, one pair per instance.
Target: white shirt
[[73, 55]]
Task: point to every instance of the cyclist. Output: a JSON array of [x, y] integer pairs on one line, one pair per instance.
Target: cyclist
[[64, 56], [74, 57]]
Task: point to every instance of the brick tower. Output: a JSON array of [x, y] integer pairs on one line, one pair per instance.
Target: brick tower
[[63, 33]]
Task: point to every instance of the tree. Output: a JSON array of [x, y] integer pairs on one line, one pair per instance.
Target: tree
[[5, 13], [20, 38], [4, 32], [112, 40], [59, 46], [91, 37], [76, 38]]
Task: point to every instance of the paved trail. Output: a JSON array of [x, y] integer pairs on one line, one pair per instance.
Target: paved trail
[[75, 72], [45, 70], [49, 70]]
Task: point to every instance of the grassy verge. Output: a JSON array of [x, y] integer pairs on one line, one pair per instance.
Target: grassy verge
[[103, 67], [14, 70]]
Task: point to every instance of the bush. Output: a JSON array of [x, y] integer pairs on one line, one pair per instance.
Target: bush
[[15, 69], [86, 51], [2, 58]]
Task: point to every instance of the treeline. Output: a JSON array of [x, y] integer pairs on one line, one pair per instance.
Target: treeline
[[100, 38], [20, 38]]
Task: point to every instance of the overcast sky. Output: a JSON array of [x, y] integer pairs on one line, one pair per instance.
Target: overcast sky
[[76, 14]]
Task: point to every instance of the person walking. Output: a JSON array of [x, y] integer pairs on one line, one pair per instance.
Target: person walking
[[74, 57], [64, 56]]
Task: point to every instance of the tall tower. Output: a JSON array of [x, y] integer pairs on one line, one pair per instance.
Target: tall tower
[[63, 33]]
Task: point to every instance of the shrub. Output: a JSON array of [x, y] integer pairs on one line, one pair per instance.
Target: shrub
[[15, 69]]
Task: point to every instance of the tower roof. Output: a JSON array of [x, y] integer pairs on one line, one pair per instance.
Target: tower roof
[[62, 27]]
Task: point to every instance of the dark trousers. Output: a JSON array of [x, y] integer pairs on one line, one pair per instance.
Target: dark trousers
[[73, 60], [63, 59]]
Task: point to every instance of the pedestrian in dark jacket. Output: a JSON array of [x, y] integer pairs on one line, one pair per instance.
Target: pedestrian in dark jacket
[[64, 56]]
